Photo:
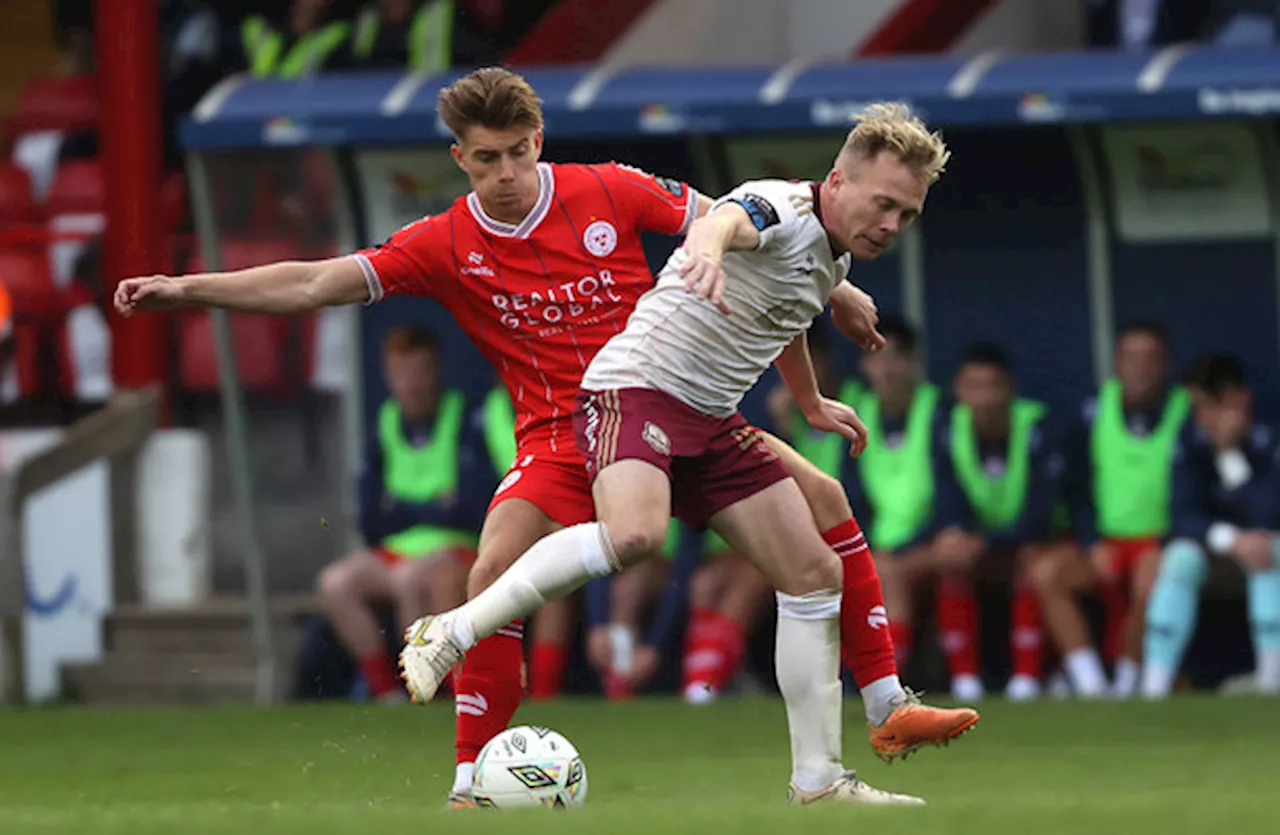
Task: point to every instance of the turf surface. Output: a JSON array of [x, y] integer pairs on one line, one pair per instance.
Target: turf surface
[[655, 766]]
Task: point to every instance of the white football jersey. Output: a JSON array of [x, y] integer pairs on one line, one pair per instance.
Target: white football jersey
[[686, 347]]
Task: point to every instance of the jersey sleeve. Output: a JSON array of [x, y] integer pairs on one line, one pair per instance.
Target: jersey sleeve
[[413, 261], [649, 203], [777, 209]]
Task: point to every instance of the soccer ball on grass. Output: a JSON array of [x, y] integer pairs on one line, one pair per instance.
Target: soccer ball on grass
[[529, 766]]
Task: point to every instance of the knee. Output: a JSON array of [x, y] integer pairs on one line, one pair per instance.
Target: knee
[[1044, 573], [336, 581], [820, 571], [487, 568], [1184, 562], [827, 501], [702, 589], [634, 540]]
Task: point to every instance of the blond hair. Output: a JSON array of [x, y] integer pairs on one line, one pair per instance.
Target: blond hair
[[892, 127], [492, 97]]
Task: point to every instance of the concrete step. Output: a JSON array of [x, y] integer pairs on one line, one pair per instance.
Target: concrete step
[[215, 627], [140, 681]]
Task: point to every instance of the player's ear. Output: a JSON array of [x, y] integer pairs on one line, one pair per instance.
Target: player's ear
[[456, 150], [537, 144]]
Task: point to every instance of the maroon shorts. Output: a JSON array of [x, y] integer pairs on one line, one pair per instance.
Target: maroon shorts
[[712, 462]]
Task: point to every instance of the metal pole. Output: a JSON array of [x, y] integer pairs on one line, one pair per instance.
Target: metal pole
[[13, 595], [1098, 245], [127, 42], [233, 412]]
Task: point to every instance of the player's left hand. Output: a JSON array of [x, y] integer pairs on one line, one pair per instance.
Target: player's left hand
[[833, 416], [855, 315], [704, 277]]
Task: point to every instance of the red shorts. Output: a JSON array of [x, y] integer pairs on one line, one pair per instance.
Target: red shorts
[[1129, 552], [712, 462], [554, 482], [391, 558]]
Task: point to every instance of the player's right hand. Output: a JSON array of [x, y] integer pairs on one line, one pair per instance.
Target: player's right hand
[[153, 292], [704, 277]]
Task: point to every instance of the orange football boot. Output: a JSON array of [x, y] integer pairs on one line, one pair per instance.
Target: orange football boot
[[913, 725]]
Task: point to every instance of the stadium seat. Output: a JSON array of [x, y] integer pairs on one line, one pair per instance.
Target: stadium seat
[[257, 349], [16, 203], [25, 273], [78, 188], [61, 103]]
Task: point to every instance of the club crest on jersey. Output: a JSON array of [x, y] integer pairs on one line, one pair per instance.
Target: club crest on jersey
[[600, 238], [656, 438]]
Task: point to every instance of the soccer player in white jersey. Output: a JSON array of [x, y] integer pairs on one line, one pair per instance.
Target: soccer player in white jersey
[[659, 427]]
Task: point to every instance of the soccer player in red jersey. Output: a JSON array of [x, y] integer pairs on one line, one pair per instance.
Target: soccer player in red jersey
[[541, 265]]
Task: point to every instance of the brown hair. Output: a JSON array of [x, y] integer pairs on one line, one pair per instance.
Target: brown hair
[[406, 338], [492, 97], [892, 127]]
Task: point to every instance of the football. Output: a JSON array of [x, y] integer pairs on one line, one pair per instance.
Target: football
[[529, 766]]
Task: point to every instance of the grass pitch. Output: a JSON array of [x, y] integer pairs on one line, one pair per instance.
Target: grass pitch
[[1192, 765]]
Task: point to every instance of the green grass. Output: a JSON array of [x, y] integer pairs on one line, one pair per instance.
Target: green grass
[[1195, 765]]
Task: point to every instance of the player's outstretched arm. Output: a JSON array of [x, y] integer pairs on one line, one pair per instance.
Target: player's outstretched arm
[[283, 288], [726, 229], [796, 368]]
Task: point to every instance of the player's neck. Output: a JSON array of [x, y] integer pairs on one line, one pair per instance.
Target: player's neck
[[1149, 403], [820, 196], [898, 402], [993, 429], [512, 216]]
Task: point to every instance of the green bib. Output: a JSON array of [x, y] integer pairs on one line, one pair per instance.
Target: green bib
[[825, 450], [264, 48], [1132, 476], [500, 429], [997, 501], [430, 36], [899, 482], [420, 474]]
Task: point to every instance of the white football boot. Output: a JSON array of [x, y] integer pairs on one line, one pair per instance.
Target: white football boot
[[430, 653], [849, 789]]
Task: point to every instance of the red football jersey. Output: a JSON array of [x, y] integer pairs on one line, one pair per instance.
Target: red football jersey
[[541, 297]]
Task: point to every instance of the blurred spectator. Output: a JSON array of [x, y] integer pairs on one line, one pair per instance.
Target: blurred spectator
[[404, 34], [1242, 22], [909, 503], [1119, 481], [1009, 470], [727, 599], [1131, 24], [1226, 501], [307, 38], [426, 482]]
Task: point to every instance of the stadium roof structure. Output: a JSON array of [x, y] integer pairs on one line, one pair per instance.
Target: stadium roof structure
[[394, 108]]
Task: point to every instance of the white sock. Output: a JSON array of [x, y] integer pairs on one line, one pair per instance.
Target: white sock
[[878, 698], [553, 567], [808, 667], [1269, 672], [622, 639], [1127, 673], [1157, 681], [463, 777], [1085, 672]]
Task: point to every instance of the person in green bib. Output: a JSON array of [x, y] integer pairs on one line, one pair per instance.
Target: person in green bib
[[1119, 484], [1008, 463], [903, 486], [414, 35], [306, 39], [427, 478]]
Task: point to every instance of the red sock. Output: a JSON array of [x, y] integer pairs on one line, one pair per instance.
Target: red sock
[[546, 669], [866, 640], [1115, 609], [903, 638], [731, 642], [380, 674], [701, 655], [957, 613], [1028, 652], [488, 687]]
